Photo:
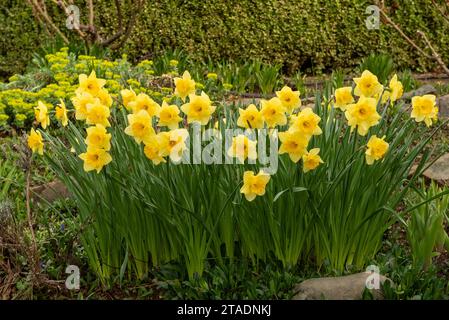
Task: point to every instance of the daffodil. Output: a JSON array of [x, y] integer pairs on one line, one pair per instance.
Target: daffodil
[[343, 97], [98, 137], [80, 102], [376, 149], [243, 148], [294, 143], [95, 159], [128, 95], [185, 86], [250, 118], [424, 109], [367, 85], [144, 102], [289, 98], [140, 126], [90, 84], [396, 88], [98, 113], [362, 115], [173, 143], [41, 113], [198, 109], [306, 122], [311, 160], [273, 112], [104, 97], [35, 142], [61, 113], [153, 149], [254, 185], [169, 116]]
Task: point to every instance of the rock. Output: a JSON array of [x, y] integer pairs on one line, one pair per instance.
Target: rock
[[438, 171], [337, 288], [50, 192], [443, 106], [425, 89]]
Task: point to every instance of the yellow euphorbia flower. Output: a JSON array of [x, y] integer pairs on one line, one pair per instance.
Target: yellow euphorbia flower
[[362, 115], [343, 97], [306, 122], [41, 113], [367, 85], [144, 102], [61, 113], [35, 142], [95, 159], [140, 126], [254, 185], [173, 143], [250, 118], [169, 116], [153, 150], [377, 147], [294, 143], [396, 89], [128, 95], [273, 112], [80, 102], [98, 137], [98, 113], [243, 148], [424, 109], [289, 98], [311, 160], [105, 97], [185, 86], [198, 109], [90, 84]]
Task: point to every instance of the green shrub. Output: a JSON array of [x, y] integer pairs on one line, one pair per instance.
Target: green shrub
[[311, 35]]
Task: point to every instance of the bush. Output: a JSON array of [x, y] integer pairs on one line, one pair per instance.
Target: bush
[[311, 35]]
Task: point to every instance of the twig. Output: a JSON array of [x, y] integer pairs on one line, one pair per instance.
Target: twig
[[435, 54], [43, 13]]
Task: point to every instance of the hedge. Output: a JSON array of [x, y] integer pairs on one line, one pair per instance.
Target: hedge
[[310, 35]]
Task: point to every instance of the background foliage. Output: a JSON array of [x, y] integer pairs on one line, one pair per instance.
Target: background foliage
[[311, 35]]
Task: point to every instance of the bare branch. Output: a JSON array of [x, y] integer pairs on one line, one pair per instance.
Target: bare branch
[[442, 11], [131, 22], [435, 54]]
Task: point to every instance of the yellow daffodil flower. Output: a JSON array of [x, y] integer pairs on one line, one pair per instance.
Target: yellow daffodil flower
[[289, 98], [367, 85], [41, 113], [243, 148], [254, 185], [80, 102], [90, 84], [424, 109], [250, 118], [343, 97], [144, 102], [35, 142], [311, 160], [61, 113], [185, 86], [153, 149], [294, 143], [198, 109], [273, 112], [140, 126], [169, 116], [98, 137], [396, 89], [306, 122], [128, 95], [95, 159], [376, 149], [173, 143], [105, 97], [362, 115], [98, 113]]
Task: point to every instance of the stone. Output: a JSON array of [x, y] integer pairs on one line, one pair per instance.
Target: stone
[[50, 192], [337, 288], [438, 171], [443, 106], [425, 89]]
